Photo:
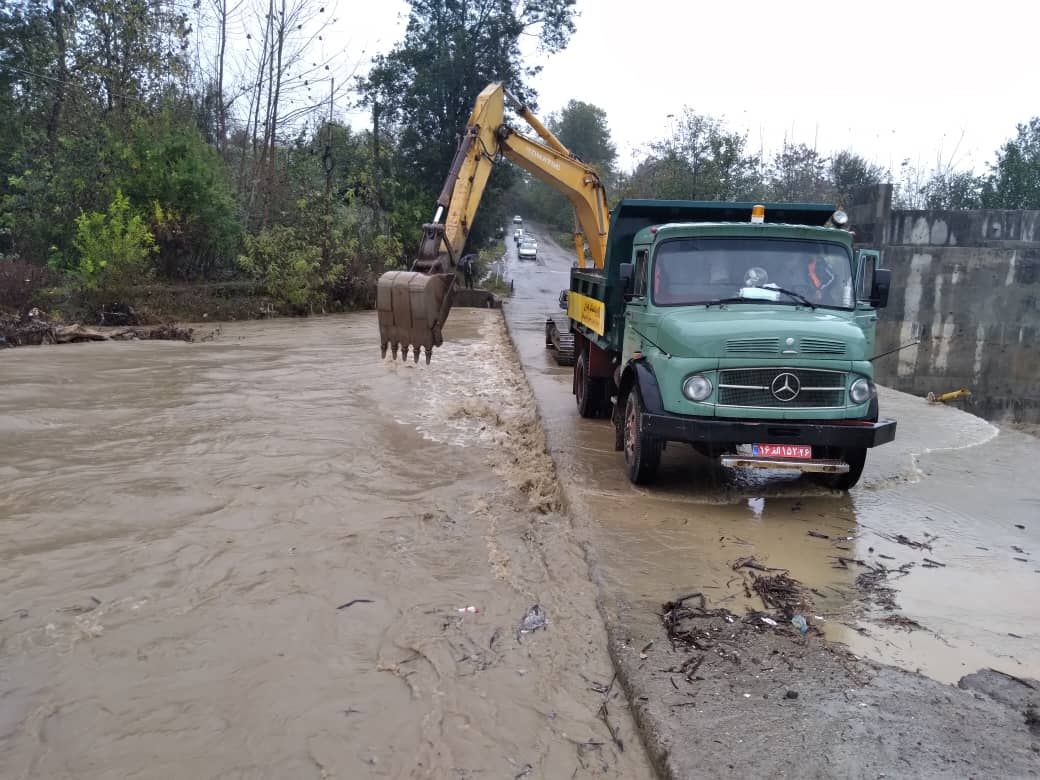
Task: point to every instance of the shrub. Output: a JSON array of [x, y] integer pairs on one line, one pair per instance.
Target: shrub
[[113, 250], [289, 268]]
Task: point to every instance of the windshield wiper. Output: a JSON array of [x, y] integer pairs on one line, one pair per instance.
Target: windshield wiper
[[797, 296], [720, 301]]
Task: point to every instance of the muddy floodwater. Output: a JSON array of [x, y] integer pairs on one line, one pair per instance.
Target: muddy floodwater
[[274, 555]]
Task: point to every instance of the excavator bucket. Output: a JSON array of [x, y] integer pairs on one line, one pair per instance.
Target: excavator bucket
[[412, 309]]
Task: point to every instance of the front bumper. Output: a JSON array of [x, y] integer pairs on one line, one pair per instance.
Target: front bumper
[[853, 434]]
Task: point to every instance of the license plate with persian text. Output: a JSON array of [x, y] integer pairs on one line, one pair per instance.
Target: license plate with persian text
[[794, 451]]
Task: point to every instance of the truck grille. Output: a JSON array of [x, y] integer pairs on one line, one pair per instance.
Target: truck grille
[[770, 388]]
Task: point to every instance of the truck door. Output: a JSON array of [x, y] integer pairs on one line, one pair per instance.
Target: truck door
[[867, 261], [635, 311]]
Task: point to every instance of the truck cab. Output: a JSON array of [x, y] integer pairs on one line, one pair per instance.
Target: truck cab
[[745, 330]]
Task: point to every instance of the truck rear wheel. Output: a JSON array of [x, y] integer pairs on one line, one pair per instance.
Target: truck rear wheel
[[589, 393], [642, 451]]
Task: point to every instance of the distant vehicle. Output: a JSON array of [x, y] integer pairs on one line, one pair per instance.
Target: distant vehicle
[[518, 220], [528, 250]]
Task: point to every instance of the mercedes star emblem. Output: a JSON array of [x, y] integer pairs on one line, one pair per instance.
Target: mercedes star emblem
[[786, 387]]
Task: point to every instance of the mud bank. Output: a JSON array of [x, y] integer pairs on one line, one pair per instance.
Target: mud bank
[[764, 701]]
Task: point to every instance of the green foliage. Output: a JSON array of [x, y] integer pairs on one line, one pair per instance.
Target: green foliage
[[701, 160], [849, 171], [941, 188], [423, 90], [113, 250], [798, 173], [1014, 182], [954, 190], [288, 266], [168, 168], [583, 128]]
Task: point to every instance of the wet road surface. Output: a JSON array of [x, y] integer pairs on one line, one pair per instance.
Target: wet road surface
[[950, 481], [248, 557]]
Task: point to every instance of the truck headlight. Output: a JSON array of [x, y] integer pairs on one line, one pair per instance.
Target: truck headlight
[[861, 390], [697, 387]]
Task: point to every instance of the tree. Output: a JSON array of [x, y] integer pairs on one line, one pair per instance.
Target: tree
[[942, 187], [1014, 181], [582, 127], [799, 173], [168, 171], [954, 190], [701, 160], [849, 171], [129, 50], [424, 89]]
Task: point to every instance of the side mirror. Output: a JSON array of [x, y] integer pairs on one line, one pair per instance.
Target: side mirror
[[879, 290], [627, 274], [563, 300]]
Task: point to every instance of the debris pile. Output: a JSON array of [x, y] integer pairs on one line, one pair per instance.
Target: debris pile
[[37, 330], [777, 591]]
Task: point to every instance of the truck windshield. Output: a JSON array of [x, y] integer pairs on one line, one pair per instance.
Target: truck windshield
[[690, 271]]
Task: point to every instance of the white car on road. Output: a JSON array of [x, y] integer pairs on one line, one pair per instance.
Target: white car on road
[[528, 250]]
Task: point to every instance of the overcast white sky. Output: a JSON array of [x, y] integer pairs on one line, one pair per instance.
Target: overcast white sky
[[892, 80]]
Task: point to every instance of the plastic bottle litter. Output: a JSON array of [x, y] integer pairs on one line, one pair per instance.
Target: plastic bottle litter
[[799, 622], [468, 609]]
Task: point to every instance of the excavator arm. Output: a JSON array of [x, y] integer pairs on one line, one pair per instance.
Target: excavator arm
[[413, 305]]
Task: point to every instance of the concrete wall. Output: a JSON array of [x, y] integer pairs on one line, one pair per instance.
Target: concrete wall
[[967, 285]]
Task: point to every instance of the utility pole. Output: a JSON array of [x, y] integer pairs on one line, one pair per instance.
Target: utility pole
[[328, 163]]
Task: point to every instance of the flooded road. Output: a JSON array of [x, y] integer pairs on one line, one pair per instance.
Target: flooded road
[[256, 557], [952, 483]]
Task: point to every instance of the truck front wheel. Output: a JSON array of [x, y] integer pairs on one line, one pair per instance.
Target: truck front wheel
[[642, 451], [856, 458]]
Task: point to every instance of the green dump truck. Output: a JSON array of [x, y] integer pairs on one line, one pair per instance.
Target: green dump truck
[[745, 330]]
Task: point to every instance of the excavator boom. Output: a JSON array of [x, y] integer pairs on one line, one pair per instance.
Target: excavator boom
[[413, 305]]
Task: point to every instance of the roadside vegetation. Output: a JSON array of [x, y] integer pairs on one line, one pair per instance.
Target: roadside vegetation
[[702, 158], [154, 146]]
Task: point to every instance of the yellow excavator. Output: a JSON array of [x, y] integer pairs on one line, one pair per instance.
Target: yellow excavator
[[413, 305]]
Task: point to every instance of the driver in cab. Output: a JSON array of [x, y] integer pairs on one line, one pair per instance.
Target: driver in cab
[[820, 280]]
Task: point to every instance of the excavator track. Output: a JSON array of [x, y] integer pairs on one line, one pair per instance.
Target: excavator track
[[559, 339]]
